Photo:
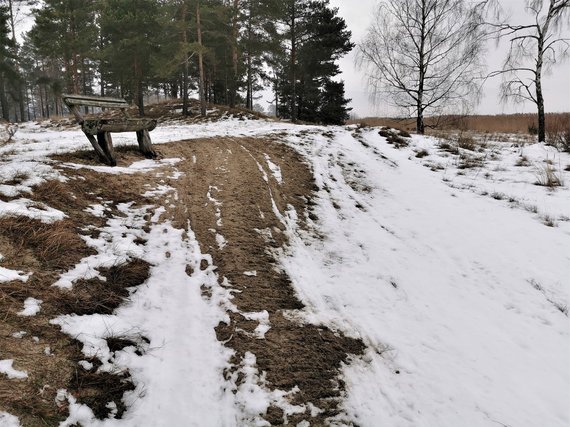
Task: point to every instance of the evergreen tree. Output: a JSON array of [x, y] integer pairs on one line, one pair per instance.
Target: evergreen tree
[[260, 42], [130, 30], [65, 32], [316, 38]]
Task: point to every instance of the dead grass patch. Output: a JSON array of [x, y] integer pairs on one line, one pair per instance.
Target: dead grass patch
[[395, 137], [55, 246], [547, 176], [502, 123], [97, 296], [97, 389], [49, 356]]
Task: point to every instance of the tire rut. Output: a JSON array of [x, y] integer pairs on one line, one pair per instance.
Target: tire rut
[[229, 195]]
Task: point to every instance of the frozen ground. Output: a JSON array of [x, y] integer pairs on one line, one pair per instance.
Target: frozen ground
[[455, 278]]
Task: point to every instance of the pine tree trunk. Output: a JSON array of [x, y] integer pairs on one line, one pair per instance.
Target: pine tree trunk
[[4, 101], [186, 65], [200, 62], [293, 66], [249, 100], [234, 77], [21, 100]]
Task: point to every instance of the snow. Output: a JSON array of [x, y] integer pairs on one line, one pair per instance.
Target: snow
[[253, 397], [179, 374], [8, 420], [7, 275], [438, 283], [450, 276], [32, 307], [275, 169], [115, 245], [7, 369], [30, 209]]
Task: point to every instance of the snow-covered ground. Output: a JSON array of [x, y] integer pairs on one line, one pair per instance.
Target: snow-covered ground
[[457, 280]]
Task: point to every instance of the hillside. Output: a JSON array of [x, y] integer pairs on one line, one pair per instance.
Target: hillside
[[265, 273]]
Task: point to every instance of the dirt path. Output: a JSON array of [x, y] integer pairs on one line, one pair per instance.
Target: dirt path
[[229, 190], [234, 193]]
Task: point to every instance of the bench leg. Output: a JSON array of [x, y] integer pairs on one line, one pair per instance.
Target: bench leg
[[106, 143], [145, 145], [100, 153]]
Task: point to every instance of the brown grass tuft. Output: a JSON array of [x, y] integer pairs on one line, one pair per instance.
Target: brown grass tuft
[[97, 296], [55, 246], [97, 389]]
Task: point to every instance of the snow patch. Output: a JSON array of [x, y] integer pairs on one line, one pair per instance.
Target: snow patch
[[7, 369], [32, 307]]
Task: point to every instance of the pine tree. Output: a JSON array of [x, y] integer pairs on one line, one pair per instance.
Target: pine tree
[[316, 38], [130, 33], [65, 31]]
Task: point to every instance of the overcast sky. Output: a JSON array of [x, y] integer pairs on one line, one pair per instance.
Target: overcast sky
[[358, 15]]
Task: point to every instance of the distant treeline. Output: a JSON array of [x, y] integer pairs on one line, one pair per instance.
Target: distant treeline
[[227, 51]]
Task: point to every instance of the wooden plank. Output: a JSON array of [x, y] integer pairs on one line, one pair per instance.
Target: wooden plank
[[145, 145], [94, 101], [96, 126]]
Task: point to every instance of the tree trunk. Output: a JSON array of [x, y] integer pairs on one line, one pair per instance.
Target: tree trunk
[[234, 77], [138, 89], [4, 101], [293, 66], [140, 94], [541, 115], [539, 95], [200, 62], [249, 100], [186, 65], [22, 100], [421, 75]]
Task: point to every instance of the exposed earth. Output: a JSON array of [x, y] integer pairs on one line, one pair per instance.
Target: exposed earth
[[235, 206]]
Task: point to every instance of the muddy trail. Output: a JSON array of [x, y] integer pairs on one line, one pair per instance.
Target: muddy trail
[[234, 194], [235, 204]]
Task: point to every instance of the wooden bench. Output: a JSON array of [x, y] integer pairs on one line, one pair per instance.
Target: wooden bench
[[98, 130]]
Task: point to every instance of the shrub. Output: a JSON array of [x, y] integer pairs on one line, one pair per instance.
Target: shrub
[[467, 142]]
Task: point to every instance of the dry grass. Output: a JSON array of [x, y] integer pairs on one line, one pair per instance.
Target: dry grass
[[55, 246], [95, 296], [46, 250], [505, 123], [96, 389], [547, 176], [395, 136]]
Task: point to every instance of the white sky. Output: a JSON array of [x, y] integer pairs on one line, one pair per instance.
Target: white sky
[[358, 15]]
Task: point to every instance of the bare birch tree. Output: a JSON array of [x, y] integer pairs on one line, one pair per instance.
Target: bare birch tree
[[534, 48], [425, 55]]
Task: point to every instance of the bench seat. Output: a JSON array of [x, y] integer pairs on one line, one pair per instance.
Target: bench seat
[[98, 130], [95, 126]]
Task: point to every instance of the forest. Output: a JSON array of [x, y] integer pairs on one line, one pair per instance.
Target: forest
[[222, 52]]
